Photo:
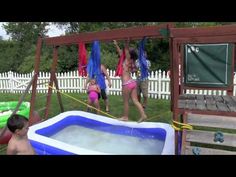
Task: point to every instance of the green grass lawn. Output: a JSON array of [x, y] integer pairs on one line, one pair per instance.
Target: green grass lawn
[[157, 110]]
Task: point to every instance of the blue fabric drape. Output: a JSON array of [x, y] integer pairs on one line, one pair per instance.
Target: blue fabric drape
[[142, 59], [94, 65]]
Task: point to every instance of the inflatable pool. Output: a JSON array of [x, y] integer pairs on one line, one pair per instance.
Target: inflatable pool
[[6, 109], [78, 132]]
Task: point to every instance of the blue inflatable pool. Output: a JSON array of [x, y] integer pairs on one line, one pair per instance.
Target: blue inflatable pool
[[78, 132]]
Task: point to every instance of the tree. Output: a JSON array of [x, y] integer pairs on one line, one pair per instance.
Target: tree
[[67, 58], [18, 54], [27, 65], [24, 35], [7, 51], [26, 32]]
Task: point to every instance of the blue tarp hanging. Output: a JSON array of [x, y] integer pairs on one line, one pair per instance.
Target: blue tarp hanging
[[143, 59], [94, 65]]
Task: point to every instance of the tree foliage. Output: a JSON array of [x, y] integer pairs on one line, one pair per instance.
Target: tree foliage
[[18, 53], [8, 53], [23, 37]]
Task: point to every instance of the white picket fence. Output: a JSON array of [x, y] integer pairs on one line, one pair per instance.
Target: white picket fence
[[71, 82]]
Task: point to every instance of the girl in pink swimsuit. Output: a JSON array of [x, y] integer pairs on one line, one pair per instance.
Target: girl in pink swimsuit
[[93, 91], [128, 84]]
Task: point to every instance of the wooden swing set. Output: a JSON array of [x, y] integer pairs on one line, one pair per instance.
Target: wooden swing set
[[133, 33], [182, 104]]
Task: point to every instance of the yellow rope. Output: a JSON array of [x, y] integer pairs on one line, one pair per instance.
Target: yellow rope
[[176, 128], [83, 102], [179, 123], [152, 117], [156, 116], [94, 107], [182, 126]]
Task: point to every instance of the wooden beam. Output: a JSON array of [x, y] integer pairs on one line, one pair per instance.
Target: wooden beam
[[171, 74], [53, 71], [208, 112], [207, 137], [36, 73], [207, 151], [207, 40], [58, 93], [116, 34], [212, 121], [175, 78], [203, 31]]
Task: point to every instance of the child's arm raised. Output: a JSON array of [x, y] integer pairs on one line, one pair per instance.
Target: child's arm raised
[[127, 54], [117, 48], [104, 70]]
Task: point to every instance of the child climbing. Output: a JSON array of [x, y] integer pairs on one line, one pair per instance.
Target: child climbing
[[129, 86]]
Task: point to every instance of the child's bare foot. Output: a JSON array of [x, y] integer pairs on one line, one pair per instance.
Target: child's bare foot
[[123, 119], [142, 119]]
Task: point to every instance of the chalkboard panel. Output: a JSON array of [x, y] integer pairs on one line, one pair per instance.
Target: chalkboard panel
[[208, 65]]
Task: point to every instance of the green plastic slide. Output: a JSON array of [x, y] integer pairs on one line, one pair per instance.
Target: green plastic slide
[[6, 109]]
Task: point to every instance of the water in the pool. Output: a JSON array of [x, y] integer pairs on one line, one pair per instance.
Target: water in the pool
[[108, 142]]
